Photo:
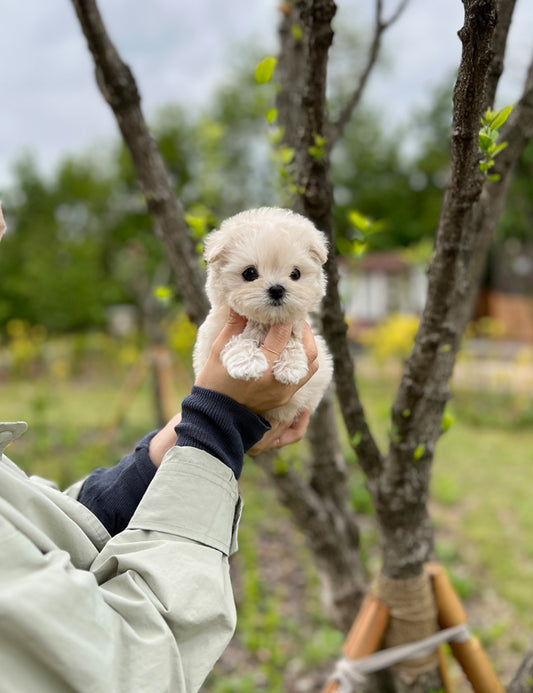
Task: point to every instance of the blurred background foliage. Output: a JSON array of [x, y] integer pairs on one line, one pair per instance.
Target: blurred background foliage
[[80, 239]]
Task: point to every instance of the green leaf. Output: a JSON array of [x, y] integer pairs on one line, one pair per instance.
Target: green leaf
[[488, 117], [498, 148], [316, 152], [198, 224], [419, 452], [447, 422], [359, 248], [485, 165], [501, 117], [358, 220], [272, 115], [286, 155], [485, 141], [163, 294], [265, 70]]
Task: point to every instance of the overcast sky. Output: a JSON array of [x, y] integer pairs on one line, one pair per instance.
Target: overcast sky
[[179, 50]]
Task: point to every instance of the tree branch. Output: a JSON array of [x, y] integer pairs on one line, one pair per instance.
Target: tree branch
[[381, 25], [119, 89], [436, 333], [401, 492], [505, 9]]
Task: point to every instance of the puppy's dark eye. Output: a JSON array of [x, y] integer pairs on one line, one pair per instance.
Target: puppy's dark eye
[[295, 274], [250, 274]]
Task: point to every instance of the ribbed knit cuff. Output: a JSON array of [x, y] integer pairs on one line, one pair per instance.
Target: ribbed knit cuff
[[113, 493], [220, 426]]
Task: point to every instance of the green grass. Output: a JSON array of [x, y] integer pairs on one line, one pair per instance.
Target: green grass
[[483, 475], [71, 424]]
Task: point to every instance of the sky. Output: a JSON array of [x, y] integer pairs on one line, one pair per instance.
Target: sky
[[181, 50]]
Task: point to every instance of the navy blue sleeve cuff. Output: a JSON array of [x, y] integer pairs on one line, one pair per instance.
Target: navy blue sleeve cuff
[[113, 493], [220, 426]]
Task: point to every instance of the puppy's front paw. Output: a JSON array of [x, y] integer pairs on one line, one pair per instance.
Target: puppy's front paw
[[243, 359], [291, 366], [289, 373]]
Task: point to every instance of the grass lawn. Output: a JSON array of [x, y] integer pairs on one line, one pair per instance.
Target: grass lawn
[[480, 502]]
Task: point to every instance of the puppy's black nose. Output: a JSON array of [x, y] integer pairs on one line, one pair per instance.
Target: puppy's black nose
[[276, 292]]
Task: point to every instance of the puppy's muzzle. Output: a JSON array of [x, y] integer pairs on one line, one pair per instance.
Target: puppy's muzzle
[[276, 294]]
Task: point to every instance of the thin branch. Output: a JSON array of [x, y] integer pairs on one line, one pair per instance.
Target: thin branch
[[518, 129], [381, 25], [119, 89], [505, 14]]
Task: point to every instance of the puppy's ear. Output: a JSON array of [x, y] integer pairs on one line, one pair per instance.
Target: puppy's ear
[[319, 247], [214, 246]]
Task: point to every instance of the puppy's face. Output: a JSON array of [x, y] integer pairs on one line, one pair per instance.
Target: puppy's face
[[266, 264]]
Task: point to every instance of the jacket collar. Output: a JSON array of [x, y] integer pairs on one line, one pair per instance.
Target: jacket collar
[[10, 431]]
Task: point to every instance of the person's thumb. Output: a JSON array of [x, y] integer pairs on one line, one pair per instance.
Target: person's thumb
[[235, 324]]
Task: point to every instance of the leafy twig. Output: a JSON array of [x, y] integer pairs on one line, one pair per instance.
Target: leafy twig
[[488, 139], [380, 26]]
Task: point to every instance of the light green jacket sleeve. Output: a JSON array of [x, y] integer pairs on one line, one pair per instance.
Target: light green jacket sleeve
[[150, 609]]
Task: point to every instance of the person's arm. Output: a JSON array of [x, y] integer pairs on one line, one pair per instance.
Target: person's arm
[[154, 610]]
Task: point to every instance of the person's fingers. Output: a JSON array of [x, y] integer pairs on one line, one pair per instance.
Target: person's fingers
[[235, 324], [271, 438], [309, 343], [296, 430], [276, 340], [311, 351]]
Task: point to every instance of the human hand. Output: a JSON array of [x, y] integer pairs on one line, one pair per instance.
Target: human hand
[[266, 392], [282, 433]]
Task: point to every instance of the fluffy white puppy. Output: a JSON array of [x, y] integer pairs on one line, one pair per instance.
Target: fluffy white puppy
[[266, 264]]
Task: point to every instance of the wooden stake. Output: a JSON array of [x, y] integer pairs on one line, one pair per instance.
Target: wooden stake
[[366, 633], [470, 655]]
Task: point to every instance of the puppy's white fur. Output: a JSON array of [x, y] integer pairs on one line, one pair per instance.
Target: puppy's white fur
[[287, 252]]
